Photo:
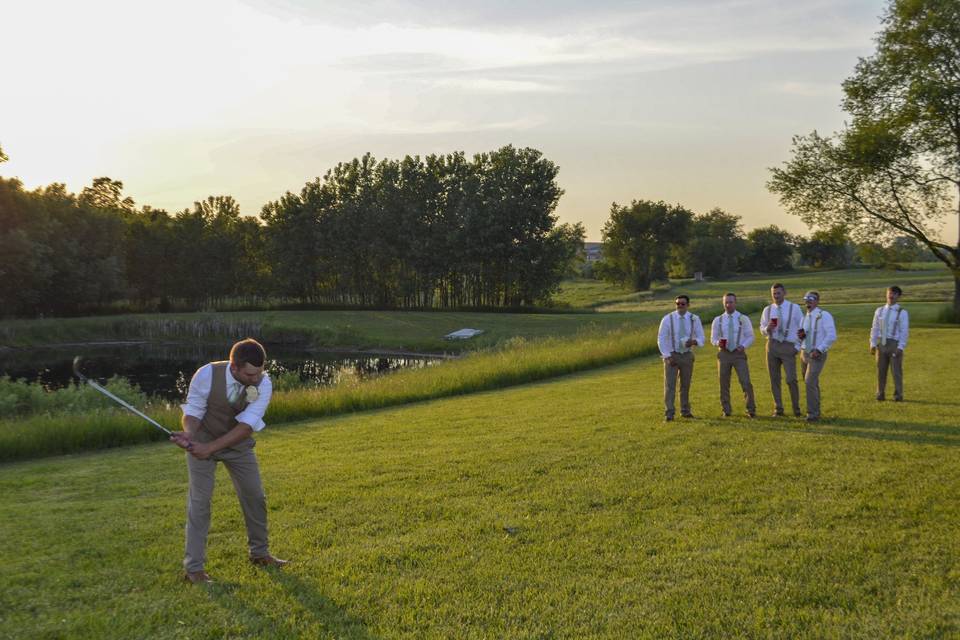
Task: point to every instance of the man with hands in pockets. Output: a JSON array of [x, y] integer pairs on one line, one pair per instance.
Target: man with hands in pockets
[[888, 339]]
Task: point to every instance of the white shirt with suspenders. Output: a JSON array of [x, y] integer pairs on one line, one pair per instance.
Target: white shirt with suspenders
[[890, 323], [675, 330], [742, 335], [789, 315]]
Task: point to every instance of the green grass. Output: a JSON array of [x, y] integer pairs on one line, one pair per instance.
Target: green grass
[[561, 509], [928, 283]]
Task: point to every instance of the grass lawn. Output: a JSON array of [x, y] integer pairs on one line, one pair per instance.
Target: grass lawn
[[561, 509], [928, 283]]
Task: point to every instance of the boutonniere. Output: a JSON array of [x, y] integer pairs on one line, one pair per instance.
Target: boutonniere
[[252, 393]]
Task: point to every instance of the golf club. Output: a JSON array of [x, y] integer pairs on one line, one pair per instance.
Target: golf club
[[122, 403]]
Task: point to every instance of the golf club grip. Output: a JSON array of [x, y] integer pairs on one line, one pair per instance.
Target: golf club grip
[[129, 407]]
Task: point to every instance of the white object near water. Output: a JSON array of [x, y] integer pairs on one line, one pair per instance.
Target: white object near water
[[463, 334]]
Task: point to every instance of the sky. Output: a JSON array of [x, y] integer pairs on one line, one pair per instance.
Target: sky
[[686, 101]]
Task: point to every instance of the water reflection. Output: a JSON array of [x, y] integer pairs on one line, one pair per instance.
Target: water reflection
[[164, 370]]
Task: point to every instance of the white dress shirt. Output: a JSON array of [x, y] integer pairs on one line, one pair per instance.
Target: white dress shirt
[[821, 331], [201, 384], [673, 327], [789, 315], [742, 329], [895, 324]]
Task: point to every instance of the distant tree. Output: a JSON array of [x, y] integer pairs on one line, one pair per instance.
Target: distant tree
[[895, 168], [638, 239], [909, 249], [827, 248], [107, 195], [873, 254], [3, 156], [151, 256], [714, 246], [769, 249], [441, 231]]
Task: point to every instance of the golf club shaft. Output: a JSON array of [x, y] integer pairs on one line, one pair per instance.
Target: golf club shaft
[[127, 406]]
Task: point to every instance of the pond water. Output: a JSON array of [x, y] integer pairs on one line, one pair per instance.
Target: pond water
[[164, 370]]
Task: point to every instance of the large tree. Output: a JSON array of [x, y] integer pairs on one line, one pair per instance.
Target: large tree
[[895, 167], [637, 241], [715, 246], [770, 249]]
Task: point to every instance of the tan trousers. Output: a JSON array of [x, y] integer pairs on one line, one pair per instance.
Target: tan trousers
[[783, 354], [887, 358], [727, 360], [810, 370], [682, 369], [245, 473]]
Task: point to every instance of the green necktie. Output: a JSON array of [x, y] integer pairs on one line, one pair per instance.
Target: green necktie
[[808, 334], [683, 335], [234, 393], [730, 345]]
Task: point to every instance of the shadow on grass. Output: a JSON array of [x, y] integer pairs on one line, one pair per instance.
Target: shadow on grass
[[912, 432], [316, 613]]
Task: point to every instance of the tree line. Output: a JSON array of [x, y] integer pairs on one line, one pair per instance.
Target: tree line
[[444, 231], [648, 241]]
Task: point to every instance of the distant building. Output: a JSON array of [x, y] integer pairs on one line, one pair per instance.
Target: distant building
[[592, 251]]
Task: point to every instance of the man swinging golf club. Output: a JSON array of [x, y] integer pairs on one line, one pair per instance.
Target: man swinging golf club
[[225, 405]]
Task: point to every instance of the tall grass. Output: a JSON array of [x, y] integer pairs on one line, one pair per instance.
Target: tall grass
[[516, 362], [19, 398], [196, 327]]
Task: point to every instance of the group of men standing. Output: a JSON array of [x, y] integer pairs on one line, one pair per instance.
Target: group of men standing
[[789, 331]]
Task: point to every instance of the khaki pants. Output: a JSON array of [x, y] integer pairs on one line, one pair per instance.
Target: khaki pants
[[887, 358], [245, 473], [682, 368], [783, 354], [810, 370], [727, 360]]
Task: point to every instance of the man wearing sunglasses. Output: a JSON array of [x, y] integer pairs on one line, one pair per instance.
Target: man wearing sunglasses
[[680, 332]]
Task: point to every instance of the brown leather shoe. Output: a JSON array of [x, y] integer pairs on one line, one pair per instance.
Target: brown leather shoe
[[268, 561], [197, 577]]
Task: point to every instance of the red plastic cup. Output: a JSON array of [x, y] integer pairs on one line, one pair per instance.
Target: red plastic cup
[[723, 343], [773, 323], [801, 334]]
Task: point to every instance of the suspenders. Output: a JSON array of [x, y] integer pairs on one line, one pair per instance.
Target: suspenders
[[783, 330]]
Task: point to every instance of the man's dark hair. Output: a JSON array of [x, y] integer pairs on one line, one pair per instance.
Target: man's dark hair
[[682, 296], [730, 293], [777, 285], [248, 351], [897, 290]]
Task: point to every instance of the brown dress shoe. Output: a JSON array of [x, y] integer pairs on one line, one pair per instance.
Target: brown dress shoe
[[268, 561], [197, 577]]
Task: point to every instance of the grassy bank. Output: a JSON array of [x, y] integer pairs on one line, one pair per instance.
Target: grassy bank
[[561, 509], [394, 330], [513, 363], [927, 283]]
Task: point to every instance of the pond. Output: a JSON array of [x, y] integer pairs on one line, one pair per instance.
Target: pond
[[164, 370]]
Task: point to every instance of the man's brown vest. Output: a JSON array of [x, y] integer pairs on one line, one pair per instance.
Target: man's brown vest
[[221, 416]]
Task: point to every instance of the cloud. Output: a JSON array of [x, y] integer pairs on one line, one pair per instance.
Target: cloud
[[807, 89]]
